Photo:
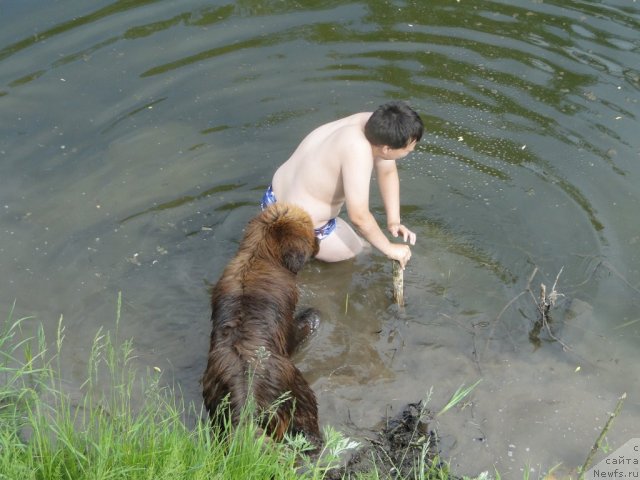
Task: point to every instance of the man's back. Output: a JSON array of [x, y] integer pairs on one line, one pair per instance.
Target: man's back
[[312, 177]]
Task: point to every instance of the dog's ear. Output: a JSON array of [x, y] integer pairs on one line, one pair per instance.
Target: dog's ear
[[297, 248], [294, 259]]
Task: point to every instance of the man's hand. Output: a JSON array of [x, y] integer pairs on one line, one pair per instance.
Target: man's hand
[[399, 252], [398, 229]]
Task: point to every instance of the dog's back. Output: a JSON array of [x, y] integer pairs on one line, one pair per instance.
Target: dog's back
[[254, 330]]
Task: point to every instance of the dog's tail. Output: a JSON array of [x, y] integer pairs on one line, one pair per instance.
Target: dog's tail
[[286, 401]]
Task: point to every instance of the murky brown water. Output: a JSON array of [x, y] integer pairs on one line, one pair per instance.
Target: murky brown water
[[136, 138]]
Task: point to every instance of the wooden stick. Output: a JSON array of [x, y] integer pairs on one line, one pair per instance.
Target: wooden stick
[[398, 284]]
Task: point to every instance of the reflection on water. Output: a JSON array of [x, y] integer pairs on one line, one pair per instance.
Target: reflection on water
[[179, 202], [136, 138]]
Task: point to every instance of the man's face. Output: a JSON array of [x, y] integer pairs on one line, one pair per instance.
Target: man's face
[[398, 153]]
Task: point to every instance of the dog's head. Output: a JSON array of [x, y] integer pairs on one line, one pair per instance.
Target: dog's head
[[284, 232]]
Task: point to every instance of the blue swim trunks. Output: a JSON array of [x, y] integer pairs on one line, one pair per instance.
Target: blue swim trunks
[[321, 232]]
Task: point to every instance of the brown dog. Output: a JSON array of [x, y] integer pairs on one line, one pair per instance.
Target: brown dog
[[254, 328]]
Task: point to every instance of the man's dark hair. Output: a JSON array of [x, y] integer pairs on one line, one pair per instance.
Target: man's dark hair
[[394, 124]]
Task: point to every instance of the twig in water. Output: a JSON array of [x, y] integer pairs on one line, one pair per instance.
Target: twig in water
[[545, 303], [548, 301], [605, 429]]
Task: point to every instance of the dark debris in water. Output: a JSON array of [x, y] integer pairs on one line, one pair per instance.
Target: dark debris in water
[[399, 448]]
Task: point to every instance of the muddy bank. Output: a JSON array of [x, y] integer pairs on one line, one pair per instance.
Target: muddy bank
[[397, 448]]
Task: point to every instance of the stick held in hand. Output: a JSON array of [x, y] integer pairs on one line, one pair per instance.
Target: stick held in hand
[[398, 284]]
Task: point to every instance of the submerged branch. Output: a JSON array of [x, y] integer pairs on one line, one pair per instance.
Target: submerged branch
[[544, 303], [598, 442]]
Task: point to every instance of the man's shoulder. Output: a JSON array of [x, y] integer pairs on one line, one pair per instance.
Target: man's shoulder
[[357, 120], [345, 138], [352, 128]]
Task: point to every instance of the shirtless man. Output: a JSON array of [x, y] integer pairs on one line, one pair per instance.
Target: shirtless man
[[332, 167]]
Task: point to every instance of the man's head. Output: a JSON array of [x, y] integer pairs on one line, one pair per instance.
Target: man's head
[[395, 125]]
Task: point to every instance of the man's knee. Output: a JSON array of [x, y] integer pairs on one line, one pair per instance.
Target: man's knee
[[343, 243], [335, 254]]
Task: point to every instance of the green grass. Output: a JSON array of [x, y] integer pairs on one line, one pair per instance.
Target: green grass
[[103, 433], [47, 435]]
